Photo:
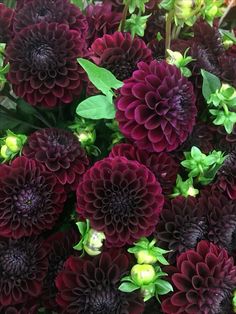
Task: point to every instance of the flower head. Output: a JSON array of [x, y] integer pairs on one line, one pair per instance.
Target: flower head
[[31, 198], [203, 279], [121, 198], [91, 286], [6, 20], [23, 266], [60, 152], [156, 108], [43, 64], [119, 53]]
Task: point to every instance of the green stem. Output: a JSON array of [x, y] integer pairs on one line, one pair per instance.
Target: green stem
[[226, 110], [229, 7], [169, 18], [124, 15]]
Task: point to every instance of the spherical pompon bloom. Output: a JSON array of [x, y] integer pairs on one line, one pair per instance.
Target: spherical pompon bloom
[[23, 266], [31, 198], [162, 165], [182, 225], [43, 64], [156, 108], [120, 53], [122, 198], [59, 11], [203, 281], [91, 286], [60, 152], [6, 19]]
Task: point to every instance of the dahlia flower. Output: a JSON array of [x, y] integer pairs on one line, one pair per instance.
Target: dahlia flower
[[60, 152], [6, 19], [121, 198], [31, 198], [91, 286], [156, 108]]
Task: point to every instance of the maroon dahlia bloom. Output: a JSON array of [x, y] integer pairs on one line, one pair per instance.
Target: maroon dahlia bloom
[[203, 280], [23, 308], [31, 198], [156, 108], [101, 21], [122, 198], [6, 19], [23, 266], [162, 165], [120, 53], [60, 152], [59, 11], [182, 225], [61, 247], [91, 286], [43, 64]]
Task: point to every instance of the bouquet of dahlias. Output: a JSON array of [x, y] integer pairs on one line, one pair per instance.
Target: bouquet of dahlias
[[117, 157]]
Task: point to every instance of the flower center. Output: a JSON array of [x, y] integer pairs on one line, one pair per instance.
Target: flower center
[[13, 262], [121, 70], [192, 233], [103, 301], [27, 201], [43, 14], [42, 57]]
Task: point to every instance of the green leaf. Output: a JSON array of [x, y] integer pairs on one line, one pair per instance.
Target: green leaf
[[128, 287], [96, 107], [210, 84], [78, 246], [163, 287], [228, 35], [82, 227], [101, 78], [136, 24], [167, 4], [161, 259]]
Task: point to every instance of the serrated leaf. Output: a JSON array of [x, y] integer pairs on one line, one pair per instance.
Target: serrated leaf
[[96, 107], [128, 287], [210, 84]]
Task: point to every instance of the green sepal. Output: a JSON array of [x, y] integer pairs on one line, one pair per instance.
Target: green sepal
[[128, 287]]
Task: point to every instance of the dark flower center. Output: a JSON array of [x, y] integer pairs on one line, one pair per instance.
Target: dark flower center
[[27, 201], [57, 142], [42, 14], [220, 301], [192, 233], [13, 262], [42, 57], [121, 70], [104, 301]]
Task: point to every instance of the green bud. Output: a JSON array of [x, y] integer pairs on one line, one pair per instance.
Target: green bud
[[145, 257], [5, 152], [93, 242], [143, 274], [87, 138], [185, 9], [13, 143], [148, 292]]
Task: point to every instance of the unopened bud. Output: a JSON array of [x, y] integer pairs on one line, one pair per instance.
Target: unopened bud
[[143, 274], [94, 242], [5, 152]]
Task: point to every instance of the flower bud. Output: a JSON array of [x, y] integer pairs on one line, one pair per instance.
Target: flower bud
[[143, 274], [148, 292], [145, 257], [13, 143], [94, 243], [87, 137], [185, 9], [5, 152]]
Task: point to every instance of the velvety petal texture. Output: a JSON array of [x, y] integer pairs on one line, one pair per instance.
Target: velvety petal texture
[[60, 152], [23, 267], [120, 53], [31, 198], [122, 198], [43, 64], [91, 286], [156, 108], [6, 20], [203, 280]]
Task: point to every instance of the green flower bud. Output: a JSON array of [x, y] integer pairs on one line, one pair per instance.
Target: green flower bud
[[143, 274], [87, 138], [93, 242], [145, 257], [185, 9], [13, 143], [5, 152], [148, 292]]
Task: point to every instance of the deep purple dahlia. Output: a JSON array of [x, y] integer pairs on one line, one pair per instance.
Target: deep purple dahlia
[[23, 267], [101, 21], [61, 247], [31, 198], [6, 19], [156, 108], [162, 165], [120, 53], [203, 281], [59, 11], [120, 197], [91, 286], [182, 225], [23, 308], [43, 64], [60, 152], [21, 3]]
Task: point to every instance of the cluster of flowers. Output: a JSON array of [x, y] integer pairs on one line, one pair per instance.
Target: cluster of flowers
[[49, 181]]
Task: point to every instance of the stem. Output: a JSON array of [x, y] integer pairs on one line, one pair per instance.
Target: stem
[[169, 17], [230, 5], [226, 110], [124, 15]]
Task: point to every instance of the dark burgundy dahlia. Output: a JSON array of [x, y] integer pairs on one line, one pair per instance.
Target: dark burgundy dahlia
[[6, 20], [101, 20], [22, 308], [122, 198], [156, 108], [23, 267], [182, 225], [61, 247], [120, 53], [43, 64], [59, 11], [91, 286], [60, 152], [31, 198], [203, 281], [162, 165]]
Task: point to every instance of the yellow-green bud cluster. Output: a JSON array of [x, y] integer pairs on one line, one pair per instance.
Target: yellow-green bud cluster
[[11, 145]]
